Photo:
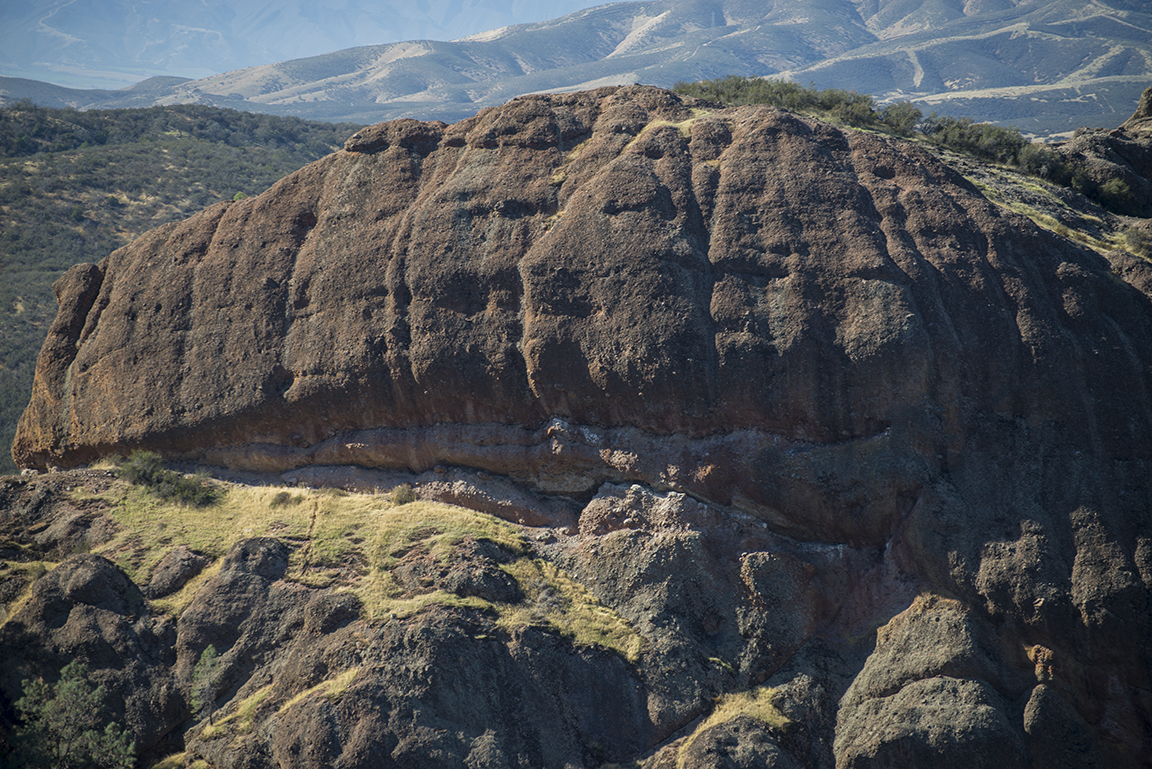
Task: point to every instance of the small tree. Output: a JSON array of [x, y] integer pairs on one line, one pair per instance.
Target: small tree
[[61, 725]]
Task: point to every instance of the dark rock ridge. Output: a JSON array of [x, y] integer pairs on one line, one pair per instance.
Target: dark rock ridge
[[792, 376]]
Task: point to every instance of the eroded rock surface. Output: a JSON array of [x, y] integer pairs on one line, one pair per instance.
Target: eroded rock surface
[[797, 403], [761, 310]]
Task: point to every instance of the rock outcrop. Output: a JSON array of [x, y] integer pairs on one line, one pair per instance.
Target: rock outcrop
[[767, 385], [1120, 157]]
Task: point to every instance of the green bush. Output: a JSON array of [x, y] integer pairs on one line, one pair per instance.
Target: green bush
[[1116, 195], [60, 728], [1138, 242], [285, 498], [983, 140], [146, 468], [901, 117], [1038, 160]]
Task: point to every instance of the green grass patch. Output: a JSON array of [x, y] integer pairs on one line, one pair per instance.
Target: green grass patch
[[986, 190], [567, 608], [354, 541], [331, 529], [1101, 244], [439, 528]]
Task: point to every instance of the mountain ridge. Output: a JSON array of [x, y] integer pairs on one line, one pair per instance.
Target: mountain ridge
[[74, 45], [1077, 62]]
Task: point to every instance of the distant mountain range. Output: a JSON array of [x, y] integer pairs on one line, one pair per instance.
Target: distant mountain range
[[115, 43], [1044, 66]]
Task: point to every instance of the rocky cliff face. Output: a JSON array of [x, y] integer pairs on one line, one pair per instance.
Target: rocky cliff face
[[766, 384]]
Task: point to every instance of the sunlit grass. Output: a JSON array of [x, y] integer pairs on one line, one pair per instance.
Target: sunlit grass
[[754, 703], [174, 761], [353, 542], [330, 689], [329, 528], [439, 528], [27, 572], [557, 601], [239, 721]]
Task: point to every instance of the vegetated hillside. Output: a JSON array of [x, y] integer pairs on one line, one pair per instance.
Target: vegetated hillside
[[804, 452], [75, 186], [1047, 67]]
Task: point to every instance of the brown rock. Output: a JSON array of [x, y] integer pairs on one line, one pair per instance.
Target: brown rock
[[794, 375], [174, 570], [764, 311], [1141, 119], [742, 743]]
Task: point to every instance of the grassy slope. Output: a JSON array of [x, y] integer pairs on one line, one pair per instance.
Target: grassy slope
[[350, 541], [75, 186], [343, 540]]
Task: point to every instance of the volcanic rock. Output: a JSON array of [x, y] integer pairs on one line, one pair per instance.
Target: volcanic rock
[[796, 402]]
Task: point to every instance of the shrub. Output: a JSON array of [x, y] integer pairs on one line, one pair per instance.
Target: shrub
[[1116, 195], [983, 140], [61, 725], [1038, 160], [901, 117], [142, 467], [204, 679], [146, 468], [285, 498], [856, 109], [1138, 242]]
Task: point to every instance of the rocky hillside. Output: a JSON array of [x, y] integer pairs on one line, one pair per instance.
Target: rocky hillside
[[783, 445]]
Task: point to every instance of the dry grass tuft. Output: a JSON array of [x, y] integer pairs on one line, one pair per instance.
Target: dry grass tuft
[[331, 689], [754, 703]]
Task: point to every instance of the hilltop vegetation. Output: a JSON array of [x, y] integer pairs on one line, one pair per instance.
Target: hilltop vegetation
[[75, 186], [985, 141]]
